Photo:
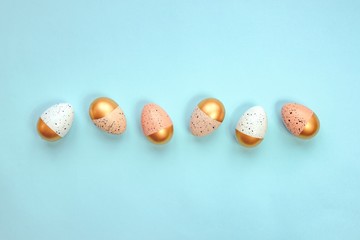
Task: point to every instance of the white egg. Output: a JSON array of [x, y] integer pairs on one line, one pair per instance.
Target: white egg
[[56, 121], [251, 127]]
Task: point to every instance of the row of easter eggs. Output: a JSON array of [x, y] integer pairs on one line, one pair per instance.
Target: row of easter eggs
[[157, 126]]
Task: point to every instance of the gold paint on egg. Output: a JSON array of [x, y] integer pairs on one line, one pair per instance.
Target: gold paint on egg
[[46, 132], [311, 128], [163, 136], [101, 107], [213, 108], [246, 140]]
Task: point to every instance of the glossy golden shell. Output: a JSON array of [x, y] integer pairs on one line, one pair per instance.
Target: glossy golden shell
[[213, 108], [312, 127], [101, 107], [163, 136], [46, 132], [246, 140]]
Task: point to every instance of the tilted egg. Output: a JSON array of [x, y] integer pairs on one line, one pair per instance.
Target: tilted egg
[[107, 115], [156, 124], [252, 126], [300, 120], [207, 117], [55, 122]]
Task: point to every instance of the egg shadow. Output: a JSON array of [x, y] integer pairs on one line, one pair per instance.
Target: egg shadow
[[97, 132], [190, 106], [34, 118]]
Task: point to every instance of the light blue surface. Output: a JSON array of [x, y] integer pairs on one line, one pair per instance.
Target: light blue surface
[[94, 186]]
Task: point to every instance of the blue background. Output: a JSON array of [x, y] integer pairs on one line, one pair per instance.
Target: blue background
[[91, 185]]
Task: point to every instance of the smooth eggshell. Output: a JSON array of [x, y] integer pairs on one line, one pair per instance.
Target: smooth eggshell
[[253, 122], [59, 118], [154, 119]]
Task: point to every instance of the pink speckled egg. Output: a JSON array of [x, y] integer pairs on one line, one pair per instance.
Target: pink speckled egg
[[207, 117], [107, 115], [156, 124], [300, 120]]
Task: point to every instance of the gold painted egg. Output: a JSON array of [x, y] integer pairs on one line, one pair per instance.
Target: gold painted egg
[[156, 124], [107, 115], [251, 127], [55, 122], [207, 117], [300, 121]]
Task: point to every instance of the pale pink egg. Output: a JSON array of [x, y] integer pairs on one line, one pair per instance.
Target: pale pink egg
[[207, 117], [300, 120], [156, 124]]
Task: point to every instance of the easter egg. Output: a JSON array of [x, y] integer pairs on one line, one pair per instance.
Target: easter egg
[[156, 124], [55, 122], [107, 115], [207, 117], [251, 127], [300, 120]]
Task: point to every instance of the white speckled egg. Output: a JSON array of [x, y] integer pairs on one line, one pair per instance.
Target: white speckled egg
[[252, 126], [56, 122]]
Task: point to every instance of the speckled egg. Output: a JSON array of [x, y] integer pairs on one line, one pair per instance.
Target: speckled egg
[[107, 115], [55, 122], [251, 127], [300, 120], [207, 117], [156, 124]]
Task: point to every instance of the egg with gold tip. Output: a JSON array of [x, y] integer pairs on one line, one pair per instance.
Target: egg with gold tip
[[55, 122], [107, 115], [251, 127], [156, 124], [300, 121], [207, 117]]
